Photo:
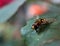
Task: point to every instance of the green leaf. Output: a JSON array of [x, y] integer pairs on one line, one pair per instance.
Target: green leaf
[[48, 36]]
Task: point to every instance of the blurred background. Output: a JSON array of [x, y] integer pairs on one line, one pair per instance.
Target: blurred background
[[14, 15]]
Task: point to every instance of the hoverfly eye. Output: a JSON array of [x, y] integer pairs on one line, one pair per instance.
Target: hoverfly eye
[[44, 19]]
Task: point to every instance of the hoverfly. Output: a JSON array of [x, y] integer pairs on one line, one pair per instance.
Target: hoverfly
[[39, 25]]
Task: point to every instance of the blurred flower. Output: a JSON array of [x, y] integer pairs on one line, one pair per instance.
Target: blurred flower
[[35, 10], [4, 2]]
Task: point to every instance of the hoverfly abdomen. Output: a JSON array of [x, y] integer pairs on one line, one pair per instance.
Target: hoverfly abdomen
[[35, 26]]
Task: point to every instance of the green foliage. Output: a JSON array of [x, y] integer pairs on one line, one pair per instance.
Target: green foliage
[[50, 36], [8, 11]]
